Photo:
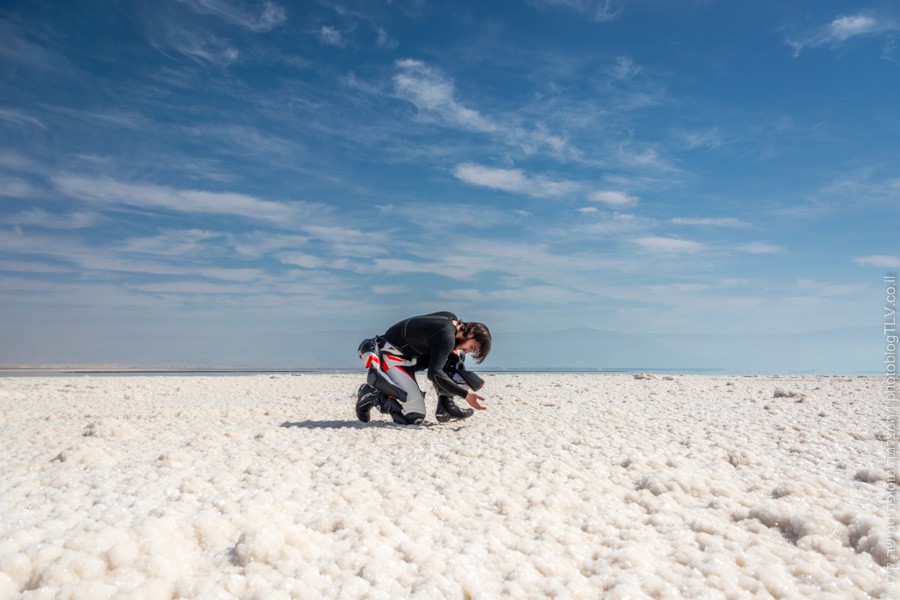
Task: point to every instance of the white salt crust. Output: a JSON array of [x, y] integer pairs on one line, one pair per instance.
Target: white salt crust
[[571, 486]]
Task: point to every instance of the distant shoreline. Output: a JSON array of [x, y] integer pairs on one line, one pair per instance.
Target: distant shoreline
[[39, 371]]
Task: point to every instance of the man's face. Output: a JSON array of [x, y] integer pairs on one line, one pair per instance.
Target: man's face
[[469, 346]]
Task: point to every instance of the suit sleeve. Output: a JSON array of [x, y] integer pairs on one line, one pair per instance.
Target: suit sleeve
[[441, 345]]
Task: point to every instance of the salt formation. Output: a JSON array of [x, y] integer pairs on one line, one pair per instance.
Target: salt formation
[[572, 485]]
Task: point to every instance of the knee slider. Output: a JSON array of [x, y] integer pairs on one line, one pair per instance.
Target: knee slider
[[383, 385]]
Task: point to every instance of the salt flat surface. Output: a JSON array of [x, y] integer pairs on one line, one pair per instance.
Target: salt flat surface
[[575, 486]]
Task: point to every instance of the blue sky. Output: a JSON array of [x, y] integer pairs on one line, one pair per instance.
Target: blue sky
[[206, 173]]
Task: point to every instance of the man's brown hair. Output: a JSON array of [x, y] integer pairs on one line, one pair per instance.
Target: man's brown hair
[[480, 333]]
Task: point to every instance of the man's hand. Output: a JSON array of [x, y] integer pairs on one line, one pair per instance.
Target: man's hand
[[472, 398]]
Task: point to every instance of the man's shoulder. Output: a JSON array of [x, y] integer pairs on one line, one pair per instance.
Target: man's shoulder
[[445, 314]]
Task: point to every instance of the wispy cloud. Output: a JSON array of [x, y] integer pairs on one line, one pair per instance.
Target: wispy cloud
[[399, 266], [390, 289], [384, 39], [527, 294], [613, 198], [514, 181], [189, 288], [434, 95], [438, 219], [17, 117], [154, 197], [826, 289], [644, 159], [29, 266], [23, 46], [268, 16], [331, 37], [668, 245], [517, 181], [185, 33], [613, 223], [760, 248], [15, 187], [598, 10], [38, 217], [710, 222], [843, 28], [178, 242], [302, 259], [865, 187], [704, 139], [625, 68], [15, 161], [196, 45], [92, 258], [879, 260], [465, 259], [261, 243]]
